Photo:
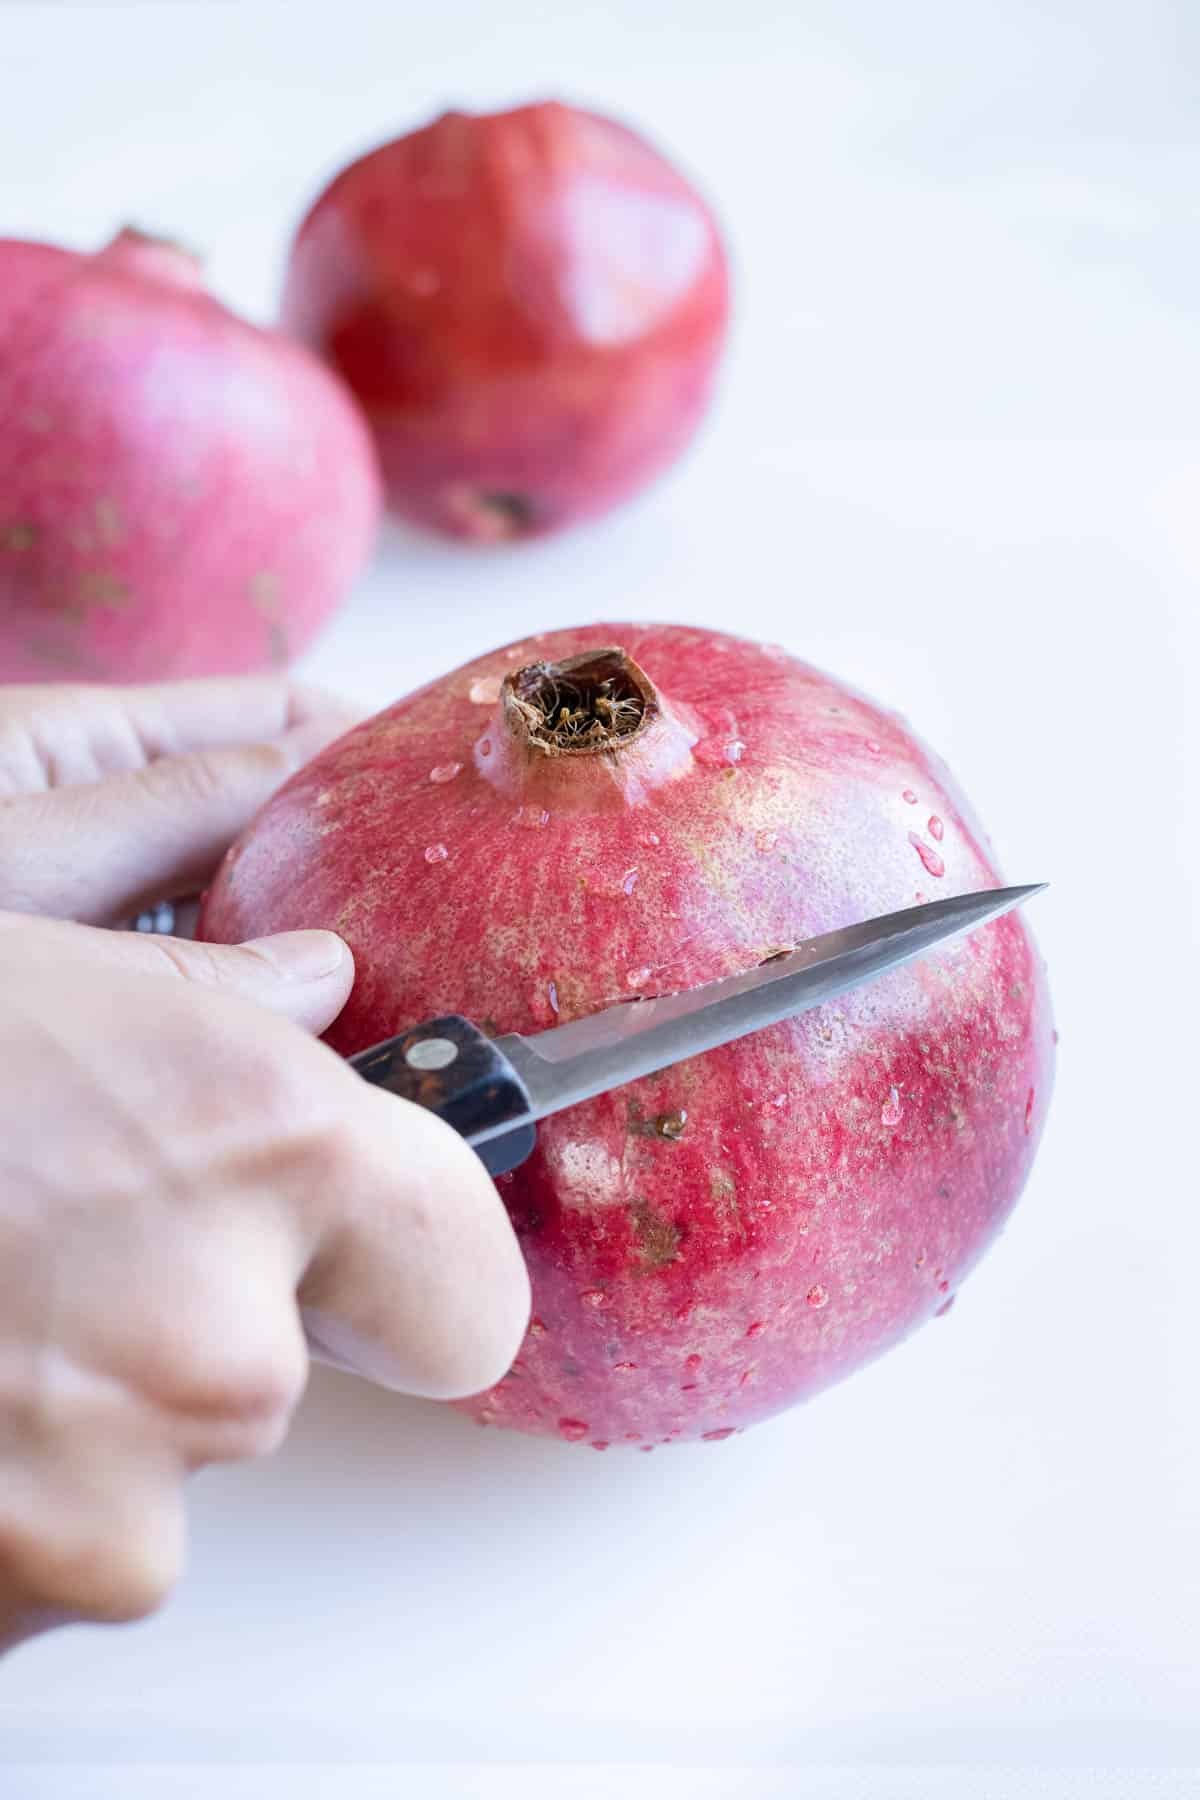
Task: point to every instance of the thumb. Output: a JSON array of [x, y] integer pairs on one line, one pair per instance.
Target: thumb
[[304, 975]]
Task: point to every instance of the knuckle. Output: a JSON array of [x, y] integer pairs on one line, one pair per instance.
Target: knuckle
[[108, 1576], [193, 962], [238, 1406], [197, 779], [120, 1584], [331, 1159]]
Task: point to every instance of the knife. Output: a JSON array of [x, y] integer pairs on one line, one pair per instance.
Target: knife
[[494, 1090]]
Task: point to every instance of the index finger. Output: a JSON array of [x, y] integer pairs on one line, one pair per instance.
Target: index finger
[[65, 735]]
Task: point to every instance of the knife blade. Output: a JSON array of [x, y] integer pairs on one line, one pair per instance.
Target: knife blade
[[494, 1090]]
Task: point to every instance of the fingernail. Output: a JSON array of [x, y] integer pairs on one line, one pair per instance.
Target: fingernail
[[302, 955]]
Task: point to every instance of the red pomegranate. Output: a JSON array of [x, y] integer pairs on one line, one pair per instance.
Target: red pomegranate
[[565, 824], [530, 307], [180, 492]]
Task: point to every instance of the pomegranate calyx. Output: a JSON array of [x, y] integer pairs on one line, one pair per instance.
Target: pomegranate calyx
[[583, 706]]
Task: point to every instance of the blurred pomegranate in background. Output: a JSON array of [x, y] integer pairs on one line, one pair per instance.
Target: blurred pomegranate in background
[[181, 493], [530, 306]]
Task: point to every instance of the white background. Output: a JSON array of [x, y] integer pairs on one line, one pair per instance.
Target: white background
[[957, 461]]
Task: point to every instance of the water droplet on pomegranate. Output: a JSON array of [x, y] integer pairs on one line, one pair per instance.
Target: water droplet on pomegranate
[[735, 750], [531, 818], [552, 996], [718, 1437], [943, 1286], [765, 842], [599, 1444], [693, 1361], [595, 1298], [651, 837], [817, 1296], [645, 1449], [909, 796], [873, 748], [1029, 1113], [636, 978], [536, 1328], [892, 1109], [756, 1329], [572, 1429], [936, 828], [625, 1368], [485, 748], [688, 1387], [484, 690], [436, 853], [747, 1375], [629, 881], [928, 855], [445, 772]]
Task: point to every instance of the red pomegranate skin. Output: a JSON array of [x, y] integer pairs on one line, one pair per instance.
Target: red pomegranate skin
[[530, 307], [726, 1238], [181, 493]]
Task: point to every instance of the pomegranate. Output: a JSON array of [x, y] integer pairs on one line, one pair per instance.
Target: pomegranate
[[530, 307], [180, 492], [566, 824]]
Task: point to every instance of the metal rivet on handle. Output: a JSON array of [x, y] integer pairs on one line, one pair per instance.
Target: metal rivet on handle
[[431, 1053]]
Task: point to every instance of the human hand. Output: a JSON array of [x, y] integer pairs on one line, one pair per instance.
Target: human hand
[[190, 1183]]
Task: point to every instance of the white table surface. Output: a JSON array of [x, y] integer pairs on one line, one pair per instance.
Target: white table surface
[[957, 461]]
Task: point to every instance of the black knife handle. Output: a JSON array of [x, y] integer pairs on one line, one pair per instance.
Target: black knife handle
[[449, 1067]]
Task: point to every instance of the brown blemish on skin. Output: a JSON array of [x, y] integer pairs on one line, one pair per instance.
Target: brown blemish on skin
[[18, 537], [59, 656], [100, 587], [109, 522], [278, 647], [637, 1124], [657, 1237], [266, 593], [725, 1199]]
